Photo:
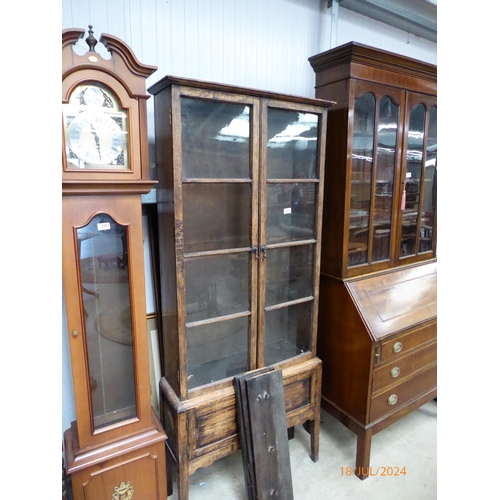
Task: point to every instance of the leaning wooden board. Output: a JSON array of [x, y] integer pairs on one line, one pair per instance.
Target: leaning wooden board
[[264, 436]]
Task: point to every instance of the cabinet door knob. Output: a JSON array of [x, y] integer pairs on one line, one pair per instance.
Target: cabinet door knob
[[397, 347], [395, 372], [393, 399], [74, 333]]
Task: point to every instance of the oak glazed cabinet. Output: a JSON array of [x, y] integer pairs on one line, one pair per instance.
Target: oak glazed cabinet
[[239, 221], [377, 325], [116, 447]]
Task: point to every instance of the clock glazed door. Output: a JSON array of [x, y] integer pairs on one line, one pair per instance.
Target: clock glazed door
[[101, 138], [108, 345]]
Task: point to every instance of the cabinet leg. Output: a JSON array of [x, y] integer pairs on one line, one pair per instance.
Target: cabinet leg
[[314, 434], [183, 479], [363, 448], [170, 465]]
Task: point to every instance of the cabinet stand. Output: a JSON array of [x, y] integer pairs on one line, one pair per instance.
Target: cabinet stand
[[204, 429]]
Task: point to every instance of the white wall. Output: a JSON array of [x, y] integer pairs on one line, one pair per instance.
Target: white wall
[[259, 43]]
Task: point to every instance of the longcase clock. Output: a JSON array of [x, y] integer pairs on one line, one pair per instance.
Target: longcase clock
[[116, 447]]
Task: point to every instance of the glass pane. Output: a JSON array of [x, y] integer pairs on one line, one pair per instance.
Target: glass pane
[[108, 326], [411, 193], [291, 212], [216, 216], [386, 165], [216, 285], [292, 141], [289, 274], [95, 129], [287, 332], [215, 139], [430, 186], [361, 178], [217, 350]]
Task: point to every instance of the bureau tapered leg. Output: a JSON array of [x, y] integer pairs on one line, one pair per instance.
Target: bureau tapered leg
[[363, 448]]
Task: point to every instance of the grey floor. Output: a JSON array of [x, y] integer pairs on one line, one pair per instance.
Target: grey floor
[[410, 443]]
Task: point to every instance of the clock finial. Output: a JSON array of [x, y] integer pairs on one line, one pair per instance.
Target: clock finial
[[91, 41]]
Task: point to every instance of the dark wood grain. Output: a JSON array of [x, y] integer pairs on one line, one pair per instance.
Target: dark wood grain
[[262, 416], [201, 418], [344, 74]]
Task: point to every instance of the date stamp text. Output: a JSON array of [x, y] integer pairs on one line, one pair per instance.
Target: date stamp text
[[392, 471]]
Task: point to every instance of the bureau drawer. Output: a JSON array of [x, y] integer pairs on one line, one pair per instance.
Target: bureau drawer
[[402, 393], [406, 341], [403, 366]]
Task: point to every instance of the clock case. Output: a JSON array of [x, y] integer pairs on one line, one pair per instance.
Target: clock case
[[128, 455]]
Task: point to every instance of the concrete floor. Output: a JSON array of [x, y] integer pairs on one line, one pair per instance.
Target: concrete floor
[[410, 443]]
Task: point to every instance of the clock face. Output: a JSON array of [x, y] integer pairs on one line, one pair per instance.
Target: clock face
[[96, 130]]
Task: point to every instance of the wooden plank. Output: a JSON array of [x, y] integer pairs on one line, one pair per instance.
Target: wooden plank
[[245, 434], [264, 435]]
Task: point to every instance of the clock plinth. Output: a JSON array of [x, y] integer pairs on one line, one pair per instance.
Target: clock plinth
[[116, 446], [136, 461]]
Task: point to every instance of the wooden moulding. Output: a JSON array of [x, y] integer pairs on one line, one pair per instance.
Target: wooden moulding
[[78, 459], [355, 60], [169, 80]]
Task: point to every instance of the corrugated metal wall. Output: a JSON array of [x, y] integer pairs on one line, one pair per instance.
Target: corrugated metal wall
[[263, 44], [260, 43]]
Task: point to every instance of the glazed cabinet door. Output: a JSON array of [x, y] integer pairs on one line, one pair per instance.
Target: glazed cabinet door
[[290, 227], [372, 177], [417, 225], [108, 342], [215, 186]]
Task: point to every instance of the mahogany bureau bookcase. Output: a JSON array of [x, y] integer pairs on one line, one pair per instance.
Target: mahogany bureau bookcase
[[240, 201], [377, 325]]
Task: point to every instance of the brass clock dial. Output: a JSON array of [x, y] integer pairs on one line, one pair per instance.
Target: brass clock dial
[[95, 130]]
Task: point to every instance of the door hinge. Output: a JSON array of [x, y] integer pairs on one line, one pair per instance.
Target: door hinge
[[376, 356]]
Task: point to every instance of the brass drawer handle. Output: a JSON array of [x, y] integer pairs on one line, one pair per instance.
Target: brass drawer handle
[[397, 347], [395, 372], [393, 399]]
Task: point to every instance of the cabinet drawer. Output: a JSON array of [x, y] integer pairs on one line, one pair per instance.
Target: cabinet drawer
[[400, 394], [406, 341], [403, 366]]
